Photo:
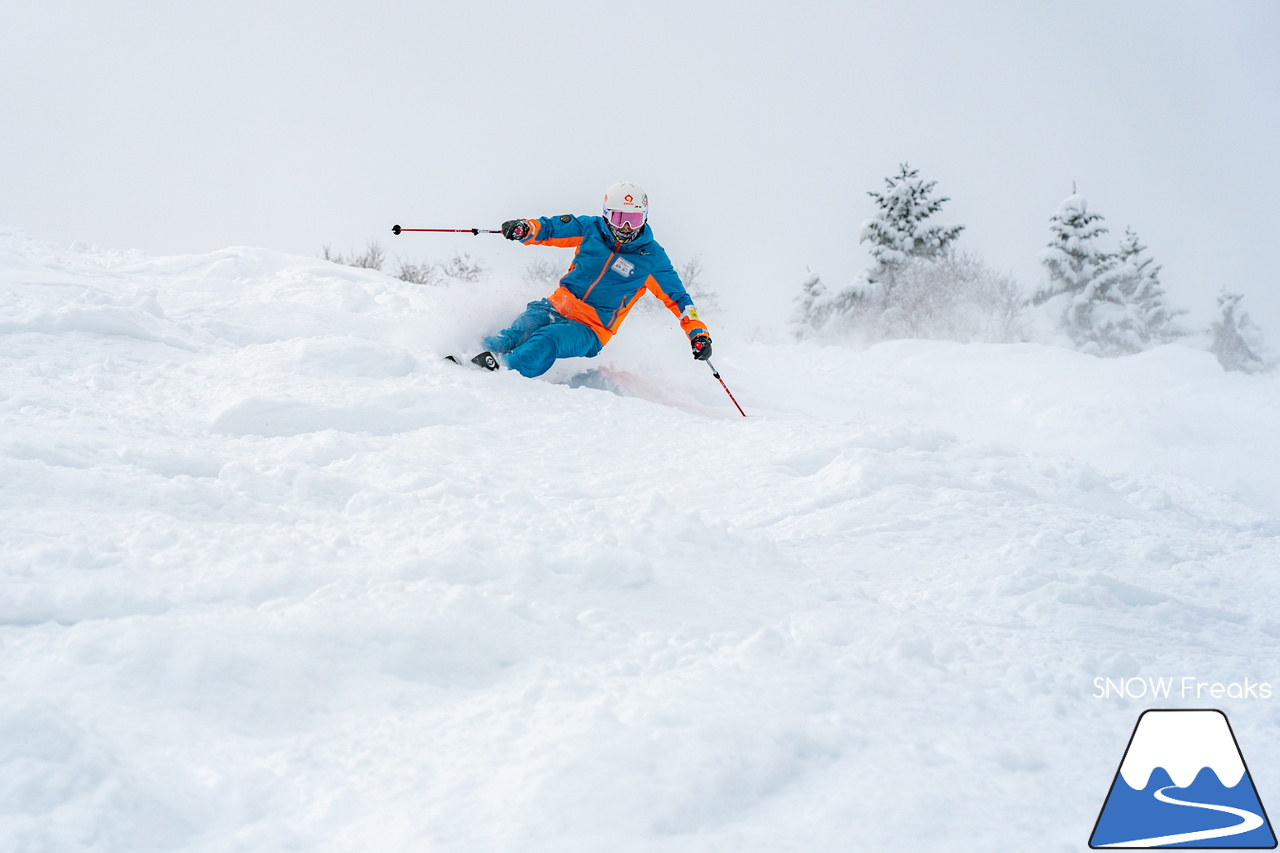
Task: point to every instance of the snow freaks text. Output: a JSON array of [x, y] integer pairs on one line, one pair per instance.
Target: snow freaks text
[[1184, 687]]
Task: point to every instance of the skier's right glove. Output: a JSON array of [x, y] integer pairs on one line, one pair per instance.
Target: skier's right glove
[[516, 229], [701, 347]]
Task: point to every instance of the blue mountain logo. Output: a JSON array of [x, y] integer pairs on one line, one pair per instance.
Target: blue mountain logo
[[1183, 783]]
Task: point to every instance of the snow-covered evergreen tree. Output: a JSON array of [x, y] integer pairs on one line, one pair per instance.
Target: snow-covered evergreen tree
[[1138, 278], [899, 233], [1082, 291], [1072, 257], [1237, 341], [1107, 304], [813, 306]]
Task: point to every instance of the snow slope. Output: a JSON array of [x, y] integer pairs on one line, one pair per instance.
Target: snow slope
[[275, 577]]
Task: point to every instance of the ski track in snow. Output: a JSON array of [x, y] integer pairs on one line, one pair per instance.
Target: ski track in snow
[[1248, 822], [277, 577]]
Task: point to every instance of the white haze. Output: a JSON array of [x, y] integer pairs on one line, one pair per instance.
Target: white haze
[[757, 127]]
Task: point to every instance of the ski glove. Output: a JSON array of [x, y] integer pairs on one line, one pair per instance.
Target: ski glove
[[516, 229], [701, 347]]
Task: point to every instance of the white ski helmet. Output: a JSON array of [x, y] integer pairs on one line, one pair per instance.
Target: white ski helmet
[[626, 204], [626, 196]]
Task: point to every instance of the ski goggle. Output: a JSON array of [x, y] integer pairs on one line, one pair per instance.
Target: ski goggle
[[634, 218]]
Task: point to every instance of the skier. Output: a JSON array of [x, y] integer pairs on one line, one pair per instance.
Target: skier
[[616, 259]]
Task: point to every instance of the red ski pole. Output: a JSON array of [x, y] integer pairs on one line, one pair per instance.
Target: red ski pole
[[716, 374], [396, 229]]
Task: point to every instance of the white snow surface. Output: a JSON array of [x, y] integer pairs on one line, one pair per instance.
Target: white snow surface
[[277, 577]]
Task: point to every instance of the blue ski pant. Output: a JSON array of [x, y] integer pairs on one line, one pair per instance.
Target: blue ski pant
[[539, 336]]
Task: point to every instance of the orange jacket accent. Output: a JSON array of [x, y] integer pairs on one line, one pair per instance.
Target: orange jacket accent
[[575, 309]]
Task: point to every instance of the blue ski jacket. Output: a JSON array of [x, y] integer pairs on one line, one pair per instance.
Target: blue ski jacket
[[607, 277]]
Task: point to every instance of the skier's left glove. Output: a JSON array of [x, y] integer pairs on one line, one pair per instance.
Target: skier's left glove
[[516, 229], [701, 347]]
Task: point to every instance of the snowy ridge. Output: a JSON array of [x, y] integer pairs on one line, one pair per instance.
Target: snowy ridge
[[276, 576], [1183, 743]]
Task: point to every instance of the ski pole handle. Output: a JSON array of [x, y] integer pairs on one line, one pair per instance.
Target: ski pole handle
[[396, 229]]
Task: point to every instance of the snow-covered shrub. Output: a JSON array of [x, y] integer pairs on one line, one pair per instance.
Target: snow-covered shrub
[[954, 296], [373, 258], [414, 273], [1235, 339], [706, 299], [462, 267], [542, 274]]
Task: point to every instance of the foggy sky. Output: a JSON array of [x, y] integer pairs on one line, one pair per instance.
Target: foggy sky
[[757, 128]]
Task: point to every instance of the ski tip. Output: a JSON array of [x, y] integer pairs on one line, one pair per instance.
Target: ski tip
[[486, 360]]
